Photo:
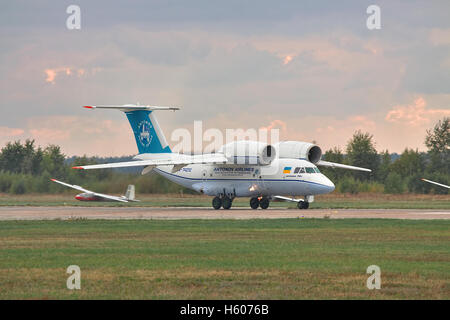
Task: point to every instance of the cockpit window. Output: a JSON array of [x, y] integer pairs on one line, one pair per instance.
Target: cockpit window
[[317, 170], [302, 170], [296, 170], [310, 170]]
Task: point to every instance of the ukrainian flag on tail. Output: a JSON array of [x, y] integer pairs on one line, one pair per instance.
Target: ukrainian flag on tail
[[287, 170]]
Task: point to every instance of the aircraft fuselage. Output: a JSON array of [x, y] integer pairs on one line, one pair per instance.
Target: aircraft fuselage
[[280, 177]]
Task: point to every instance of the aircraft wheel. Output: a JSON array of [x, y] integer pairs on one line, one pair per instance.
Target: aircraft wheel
[[216, 203], [264, 203], [303, 205], [254, 203], [226, 203]]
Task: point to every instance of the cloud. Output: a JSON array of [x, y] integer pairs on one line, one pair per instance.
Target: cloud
[[287, 59], [276, 124], [440, 37], [10, 132], [68, 71], [82, 135], [415, 114]]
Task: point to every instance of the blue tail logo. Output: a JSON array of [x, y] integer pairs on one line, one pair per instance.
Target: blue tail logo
[[149, 136], [145, 138]]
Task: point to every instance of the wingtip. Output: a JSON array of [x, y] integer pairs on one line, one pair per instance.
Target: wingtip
[[77, 168], [53, 180], [88, 107]]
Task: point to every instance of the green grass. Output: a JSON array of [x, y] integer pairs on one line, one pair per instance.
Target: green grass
[[332, 201], [222, 259]]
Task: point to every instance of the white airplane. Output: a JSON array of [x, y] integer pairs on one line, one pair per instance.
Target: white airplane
[[438, 184], [252, 169], [88, 195]]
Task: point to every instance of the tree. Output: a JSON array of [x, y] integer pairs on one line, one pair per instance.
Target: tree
[[384, 167], [53, 161], [438, 140], [438, 144], [410, 163], [394, 183], [334, 155], [361, 152]]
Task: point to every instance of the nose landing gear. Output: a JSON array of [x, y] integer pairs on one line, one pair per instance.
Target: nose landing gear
[[303, 204]]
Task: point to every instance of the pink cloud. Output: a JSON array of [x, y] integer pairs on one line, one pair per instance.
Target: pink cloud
[[415, 114], [287, 59], [52, 73], [276, 124], [10, 132], [83, 135]]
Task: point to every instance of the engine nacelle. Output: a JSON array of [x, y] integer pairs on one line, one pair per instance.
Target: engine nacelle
[[299, 150], [249, 152]]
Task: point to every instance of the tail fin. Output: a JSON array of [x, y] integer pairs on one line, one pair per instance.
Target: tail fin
[[149, 136], [130, 194], [147, 132]]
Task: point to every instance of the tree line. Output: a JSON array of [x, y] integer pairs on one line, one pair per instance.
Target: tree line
[[392, 173], [27, 168]]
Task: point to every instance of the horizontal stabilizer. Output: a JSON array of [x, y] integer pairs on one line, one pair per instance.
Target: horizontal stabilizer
[[131, 107], [436, 183]]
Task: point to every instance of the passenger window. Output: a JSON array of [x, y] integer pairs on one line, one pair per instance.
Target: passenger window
[[297, 170], [310, 170]]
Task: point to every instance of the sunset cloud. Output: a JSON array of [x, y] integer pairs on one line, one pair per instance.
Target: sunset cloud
[[287, 59], [276, 124], [52, 73], [10, 132], [82, 135], [415, 114]]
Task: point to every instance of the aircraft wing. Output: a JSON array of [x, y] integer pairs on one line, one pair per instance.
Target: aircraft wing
[[73, 186], [342, 166], [171, 160], [438, 184], [106, 196]]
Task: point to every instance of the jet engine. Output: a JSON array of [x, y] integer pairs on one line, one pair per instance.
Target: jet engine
[[299, 150], [249, 152]]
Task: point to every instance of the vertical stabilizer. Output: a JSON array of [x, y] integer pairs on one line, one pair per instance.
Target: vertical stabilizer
[[130, 194], [149, 136], [147, 132]]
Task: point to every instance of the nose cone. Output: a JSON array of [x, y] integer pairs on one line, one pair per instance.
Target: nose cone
[[330, 185], [326, 185]]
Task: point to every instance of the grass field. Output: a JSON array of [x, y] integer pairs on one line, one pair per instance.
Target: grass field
[[221, 259], [334, 201]]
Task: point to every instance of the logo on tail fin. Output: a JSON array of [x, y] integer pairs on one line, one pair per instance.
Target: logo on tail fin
[[145, 137], [148, 134]]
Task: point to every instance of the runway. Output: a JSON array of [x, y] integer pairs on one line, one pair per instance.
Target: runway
[[148, 213]]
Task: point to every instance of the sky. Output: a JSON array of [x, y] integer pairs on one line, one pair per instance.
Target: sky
[[311, 69]]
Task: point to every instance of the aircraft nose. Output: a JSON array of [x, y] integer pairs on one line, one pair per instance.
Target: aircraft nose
[[330, 185]]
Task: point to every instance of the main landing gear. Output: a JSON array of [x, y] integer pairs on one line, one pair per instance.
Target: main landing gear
[[262, 202], [224, 202], [303, 204]]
